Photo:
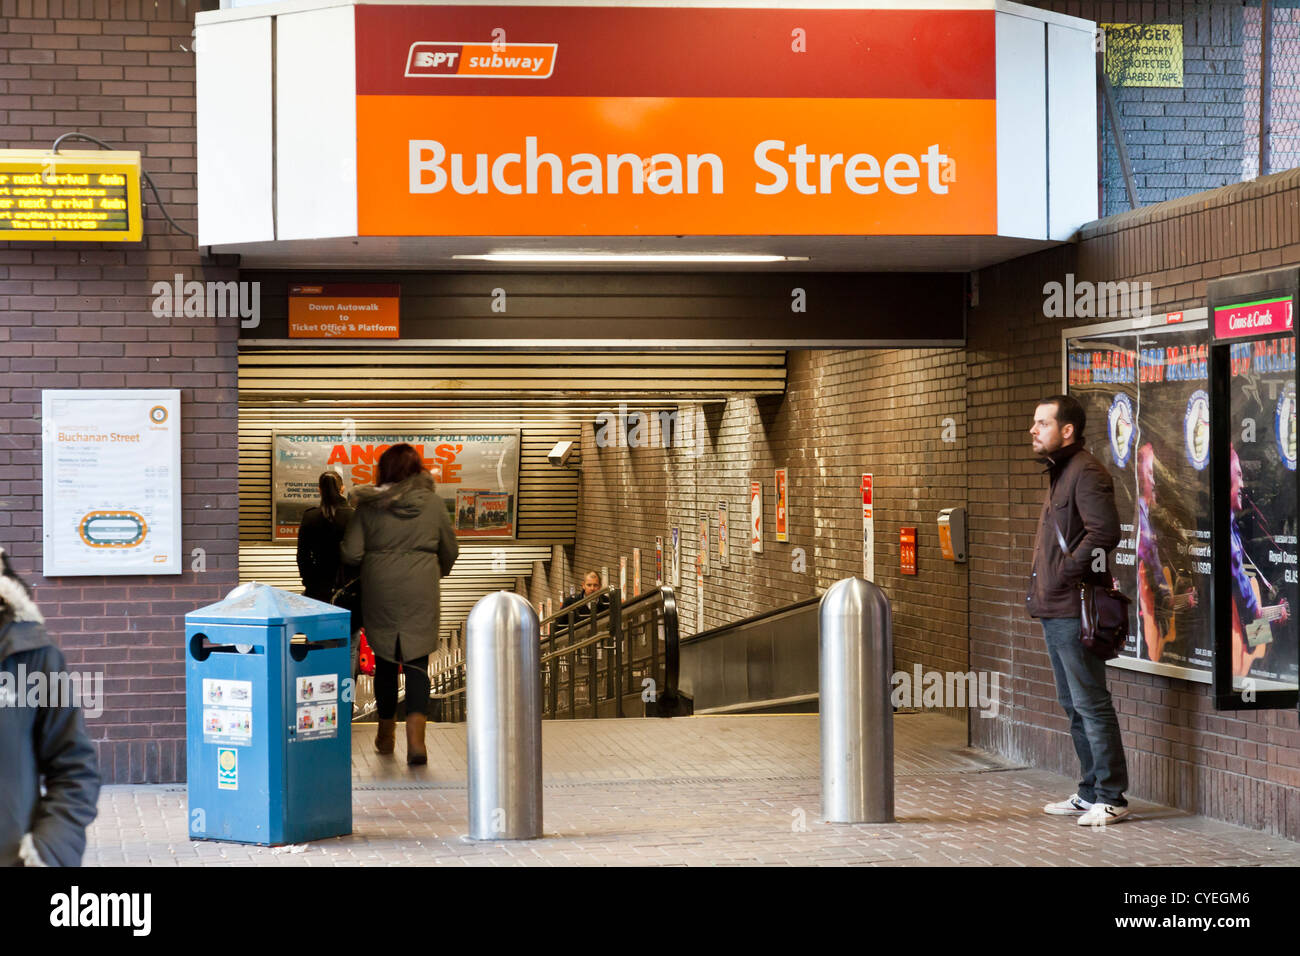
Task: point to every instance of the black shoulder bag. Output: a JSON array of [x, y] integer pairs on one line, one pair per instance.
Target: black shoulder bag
[[1103, 613]]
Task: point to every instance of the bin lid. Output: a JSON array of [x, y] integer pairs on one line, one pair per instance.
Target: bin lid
[[254, 602]]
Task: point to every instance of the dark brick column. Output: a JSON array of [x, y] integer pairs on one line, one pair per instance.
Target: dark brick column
[[79, 315]]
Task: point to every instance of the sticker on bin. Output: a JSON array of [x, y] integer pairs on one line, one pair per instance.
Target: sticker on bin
[[228, 726], [227, 712], [227, 693], [318, 721], [315, 689], [227, 768], [318, 709]]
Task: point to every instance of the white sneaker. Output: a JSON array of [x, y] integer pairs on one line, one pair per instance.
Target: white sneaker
[[1076, 804], [1102, 814]]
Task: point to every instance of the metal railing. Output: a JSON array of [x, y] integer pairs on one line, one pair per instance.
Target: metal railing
[[601, 656], [447, 694]]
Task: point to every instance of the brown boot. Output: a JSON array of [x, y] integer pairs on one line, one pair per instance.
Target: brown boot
[[415, 752], [386, 739]]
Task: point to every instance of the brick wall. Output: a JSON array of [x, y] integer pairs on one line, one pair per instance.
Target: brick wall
[[78, 315], [844, 413], [1243, 767], [1180, 140]]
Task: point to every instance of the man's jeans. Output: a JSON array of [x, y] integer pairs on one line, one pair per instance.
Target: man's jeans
[[1081, 690]]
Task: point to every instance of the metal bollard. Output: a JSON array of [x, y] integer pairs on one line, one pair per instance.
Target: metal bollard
[[504, 721], [856, 646]]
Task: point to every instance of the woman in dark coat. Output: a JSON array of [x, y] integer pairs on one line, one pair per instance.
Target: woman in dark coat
[[324, 576], [319, 536], [401, 535]]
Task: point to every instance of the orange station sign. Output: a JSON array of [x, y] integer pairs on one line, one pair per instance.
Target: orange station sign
[[652, 121], [344, 311]]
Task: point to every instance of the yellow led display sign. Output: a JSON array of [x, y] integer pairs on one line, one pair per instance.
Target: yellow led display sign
[[72, 195]]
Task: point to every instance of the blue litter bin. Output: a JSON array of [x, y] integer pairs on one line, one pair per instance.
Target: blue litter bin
[[269, 718]]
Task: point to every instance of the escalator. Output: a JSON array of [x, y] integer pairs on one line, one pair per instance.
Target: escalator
[[627, 660], [765, 664]]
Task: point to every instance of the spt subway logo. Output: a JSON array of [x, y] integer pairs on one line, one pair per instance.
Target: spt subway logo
[[505, 61]]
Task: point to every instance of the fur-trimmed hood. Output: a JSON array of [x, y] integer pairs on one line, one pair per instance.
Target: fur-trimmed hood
[[21, 623], [16, 598], [404, 499]]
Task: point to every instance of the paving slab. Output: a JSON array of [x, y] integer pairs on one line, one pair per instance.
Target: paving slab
[[699, 791]]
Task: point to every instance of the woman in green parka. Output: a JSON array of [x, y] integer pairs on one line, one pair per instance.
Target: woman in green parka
[[401, 535]]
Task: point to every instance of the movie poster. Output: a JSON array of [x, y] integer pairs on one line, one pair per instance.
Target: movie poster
[[1262, 497], [491, 512], [465, 509], [477, 474], [1146, 395]]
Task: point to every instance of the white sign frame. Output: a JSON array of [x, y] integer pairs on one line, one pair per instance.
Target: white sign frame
[[54, 565]]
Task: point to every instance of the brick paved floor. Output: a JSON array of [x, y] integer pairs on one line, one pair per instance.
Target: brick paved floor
[[740, 790]]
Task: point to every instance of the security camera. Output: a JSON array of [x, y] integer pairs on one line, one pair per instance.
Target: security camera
[[559, 455]]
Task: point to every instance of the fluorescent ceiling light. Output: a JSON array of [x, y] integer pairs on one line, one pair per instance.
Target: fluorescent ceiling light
[[631, 257]]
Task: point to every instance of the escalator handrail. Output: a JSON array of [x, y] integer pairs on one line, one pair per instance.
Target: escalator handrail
[[733, 625], [672, 635]]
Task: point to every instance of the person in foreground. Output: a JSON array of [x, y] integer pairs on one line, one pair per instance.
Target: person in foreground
[[401, 535], [1078, 510], [40, 741]]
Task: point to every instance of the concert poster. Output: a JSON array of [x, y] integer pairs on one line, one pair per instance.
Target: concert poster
[[1146, 394], [1262, 501]]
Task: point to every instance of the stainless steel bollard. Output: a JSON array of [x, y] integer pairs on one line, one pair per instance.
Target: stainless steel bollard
[[856, 646], [504, 721]]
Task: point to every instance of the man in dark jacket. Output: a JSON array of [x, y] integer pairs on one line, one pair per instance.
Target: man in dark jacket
[[590, 585], [39, 739], [1077, 529]]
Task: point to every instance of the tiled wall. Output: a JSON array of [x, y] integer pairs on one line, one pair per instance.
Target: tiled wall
[[899, 415]]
